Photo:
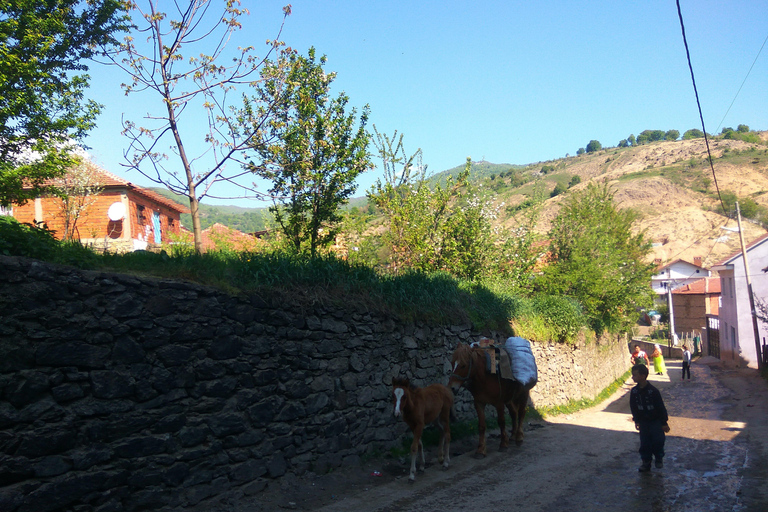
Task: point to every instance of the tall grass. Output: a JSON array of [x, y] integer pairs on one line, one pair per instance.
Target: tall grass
[[325, 280]]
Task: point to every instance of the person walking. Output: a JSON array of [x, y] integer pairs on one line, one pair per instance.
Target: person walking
[[686, 362], [638, 356], [650, 417], [658, 360]]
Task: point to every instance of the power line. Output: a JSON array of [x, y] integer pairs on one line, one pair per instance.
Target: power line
[[742, 84], [698, 103]]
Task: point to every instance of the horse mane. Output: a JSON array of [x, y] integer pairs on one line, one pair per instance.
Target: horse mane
[[404, 382]]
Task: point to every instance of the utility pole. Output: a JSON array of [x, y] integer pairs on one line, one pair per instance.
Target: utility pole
[[671, 337], [755, 328]]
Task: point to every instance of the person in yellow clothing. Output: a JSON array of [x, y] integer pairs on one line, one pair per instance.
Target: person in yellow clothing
[[658, 361]]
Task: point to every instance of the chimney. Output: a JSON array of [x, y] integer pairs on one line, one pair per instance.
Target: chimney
[[657, 261], [697, 261]]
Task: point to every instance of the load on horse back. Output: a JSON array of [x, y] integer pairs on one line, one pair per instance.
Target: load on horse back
[[418, 407], [501, 386]]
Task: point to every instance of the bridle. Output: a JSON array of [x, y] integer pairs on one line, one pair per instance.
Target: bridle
[[469, 372]]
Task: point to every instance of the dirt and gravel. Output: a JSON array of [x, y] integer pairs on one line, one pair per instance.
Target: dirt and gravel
[[717, 460]]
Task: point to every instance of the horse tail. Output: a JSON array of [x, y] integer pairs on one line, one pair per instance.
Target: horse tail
[[453, 413]]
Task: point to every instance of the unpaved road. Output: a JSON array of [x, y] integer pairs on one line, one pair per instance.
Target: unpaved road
[[717, 460]]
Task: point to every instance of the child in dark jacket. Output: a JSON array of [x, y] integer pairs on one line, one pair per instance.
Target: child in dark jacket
[[650, 417]]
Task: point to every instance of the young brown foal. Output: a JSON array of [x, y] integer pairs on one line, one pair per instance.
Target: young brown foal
[[418, 407]]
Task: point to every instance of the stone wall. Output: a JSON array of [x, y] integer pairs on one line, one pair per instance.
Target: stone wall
[[120, 392]]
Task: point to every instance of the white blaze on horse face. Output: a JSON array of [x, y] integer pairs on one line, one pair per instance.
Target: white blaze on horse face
[[455, 365], [399, 392]]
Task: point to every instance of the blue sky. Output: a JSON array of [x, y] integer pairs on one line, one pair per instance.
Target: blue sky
[[507, 82]]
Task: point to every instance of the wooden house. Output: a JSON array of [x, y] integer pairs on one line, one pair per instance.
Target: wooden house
[[120, 217]]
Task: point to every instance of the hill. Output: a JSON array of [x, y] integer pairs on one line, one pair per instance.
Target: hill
[[669, 183]]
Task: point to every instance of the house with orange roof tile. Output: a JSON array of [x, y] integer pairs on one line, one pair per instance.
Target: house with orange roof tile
[[123, 217]]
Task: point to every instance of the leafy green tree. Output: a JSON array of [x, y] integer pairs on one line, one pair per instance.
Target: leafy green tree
[[184, 60], [742, 128], [623, 143], [647, 136], [44, 49], [593, 146], [672, 135], [597, 260], [631, 139], [580, 151], [316, 156], [559, 189], [693, 133], [575, 180]]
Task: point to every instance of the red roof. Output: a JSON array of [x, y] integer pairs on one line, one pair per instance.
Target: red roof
[[107, 179], [706, 285]]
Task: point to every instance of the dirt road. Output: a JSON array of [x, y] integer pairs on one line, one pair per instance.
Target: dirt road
[[717, 460]]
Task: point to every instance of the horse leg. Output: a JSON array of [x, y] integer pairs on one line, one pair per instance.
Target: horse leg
[[480, 408], [415, 445], [444, 453], [423, 464], [502, 427], [522, 407], [516, 425]]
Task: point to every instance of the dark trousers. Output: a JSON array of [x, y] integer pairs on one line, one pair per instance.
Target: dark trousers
[[687, 368], [652, 440]]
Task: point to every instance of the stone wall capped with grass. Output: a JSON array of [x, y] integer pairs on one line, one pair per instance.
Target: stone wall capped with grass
[[121, 392]]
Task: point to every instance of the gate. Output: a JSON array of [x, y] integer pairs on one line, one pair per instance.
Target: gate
[[713, 336]]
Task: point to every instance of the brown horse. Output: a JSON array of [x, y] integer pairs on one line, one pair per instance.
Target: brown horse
[[418, 407], [469, 370]]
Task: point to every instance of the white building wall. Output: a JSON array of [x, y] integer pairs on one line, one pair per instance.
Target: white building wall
[[737, 339]]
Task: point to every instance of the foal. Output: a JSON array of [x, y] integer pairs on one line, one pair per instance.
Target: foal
[[419, 406]]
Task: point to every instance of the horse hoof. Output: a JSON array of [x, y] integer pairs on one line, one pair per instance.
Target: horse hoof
[[478, 456], [411, 480]]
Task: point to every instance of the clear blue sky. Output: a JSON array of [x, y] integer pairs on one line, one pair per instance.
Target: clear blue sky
[[508, 82]]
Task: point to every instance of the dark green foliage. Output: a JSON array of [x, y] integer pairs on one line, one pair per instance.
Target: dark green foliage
[[575, 180], [647, 136], [43, 50], [672, 135], [547, 169], [580, 151], [18, 239], [693, 133], [563, 315], [594, 145], [598, 261], [631, 140], [559, 189]]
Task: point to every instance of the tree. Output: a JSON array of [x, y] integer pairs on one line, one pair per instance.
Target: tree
[[647, 136], [631, 139], [203, 78], [672, 135], [77, 190], [580, 151], [693, 133], [316, 157], [593, 146], [742, 128], [43, 112], [597, 260]]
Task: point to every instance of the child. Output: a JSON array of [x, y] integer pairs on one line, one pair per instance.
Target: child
[[658, 360], [650, 417], [686, 362]]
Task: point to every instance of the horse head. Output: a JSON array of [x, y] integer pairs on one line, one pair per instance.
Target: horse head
[[400, 394], [461, 367]]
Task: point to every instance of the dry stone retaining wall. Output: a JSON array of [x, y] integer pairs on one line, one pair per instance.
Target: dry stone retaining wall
[[120, 392]]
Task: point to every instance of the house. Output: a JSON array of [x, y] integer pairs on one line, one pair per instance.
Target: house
[[693, 303], [736, 330], [676, 274], [221, 237], [120, 217]]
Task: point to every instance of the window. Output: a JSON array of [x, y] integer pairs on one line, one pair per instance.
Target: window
[[140, 214]]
